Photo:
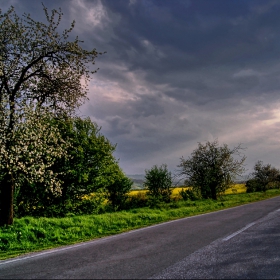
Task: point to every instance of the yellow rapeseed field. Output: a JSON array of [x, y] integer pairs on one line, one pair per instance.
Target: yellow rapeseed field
[[237, 188]]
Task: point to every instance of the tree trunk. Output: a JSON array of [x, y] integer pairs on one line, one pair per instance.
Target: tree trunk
[[213, 193], [7, 201]]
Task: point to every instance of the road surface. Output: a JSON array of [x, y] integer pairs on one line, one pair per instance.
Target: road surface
[[185, 248], [250, 253]]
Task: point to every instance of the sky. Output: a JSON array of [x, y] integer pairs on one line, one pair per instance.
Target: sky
[[178, 72]]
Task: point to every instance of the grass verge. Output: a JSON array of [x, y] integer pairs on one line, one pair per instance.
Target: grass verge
[[30, 234]]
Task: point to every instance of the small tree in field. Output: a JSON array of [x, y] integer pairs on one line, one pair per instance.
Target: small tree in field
[[158, 181], [117, 191], [263, 178], [212, 168], [40, 71]]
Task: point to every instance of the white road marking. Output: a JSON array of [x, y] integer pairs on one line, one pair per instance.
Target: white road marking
[[237, 232]]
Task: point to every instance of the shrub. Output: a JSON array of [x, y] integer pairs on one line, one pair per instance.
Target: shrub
[[253, 185], [263, 178], [188, 194], [158, 180], [137, 201], [117, 192]]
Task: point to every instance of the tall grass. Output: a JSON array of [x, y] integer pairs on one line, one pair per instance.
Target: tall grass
[[30, 234]]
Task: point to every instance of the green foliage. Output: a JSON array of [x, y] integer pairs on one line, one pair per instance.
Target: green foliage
[[90, 162], [40, 72], [188, 194], [253, 185], [90, 204], [137, 201], [86, 166], [116, 186], [27, 156], [117, 190], [158, 181], [212, 168], [263, 178]]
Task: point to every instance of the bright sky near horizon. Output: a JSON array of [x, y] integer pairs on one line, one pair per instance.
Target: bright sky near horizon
[[177, 73]]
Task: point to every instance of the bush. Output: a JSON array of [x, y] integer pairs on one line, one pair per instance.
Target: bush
[[158, 180], [137, 201], [93, 205], [253, 185], [155, 202], [89, 204], [263, 178], [4, 244], [188, 194], [117, 192]]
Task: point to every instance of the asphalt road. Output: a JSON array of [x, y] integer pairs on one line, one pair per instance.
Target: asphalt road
[[250, 254], [170, 250]]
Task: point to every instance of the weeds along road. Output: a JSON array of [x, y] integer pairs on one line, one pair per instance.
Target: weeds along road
[[197, 247]]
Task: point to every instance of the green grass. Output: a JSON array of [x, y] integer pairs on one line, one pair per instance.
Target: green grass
[[30, 234]]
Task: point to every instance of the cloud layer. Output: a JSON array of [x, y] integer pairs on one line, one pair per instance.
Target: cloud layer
[[179, 72]]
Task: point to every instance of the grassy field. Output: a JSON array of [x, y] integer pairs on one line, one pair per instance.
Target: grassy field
[[30, 234]]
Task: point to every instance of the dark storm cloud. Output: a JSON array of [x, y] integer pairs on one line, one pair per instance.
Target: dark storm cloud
[[179, 72], [191, 44], [207, 31]]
